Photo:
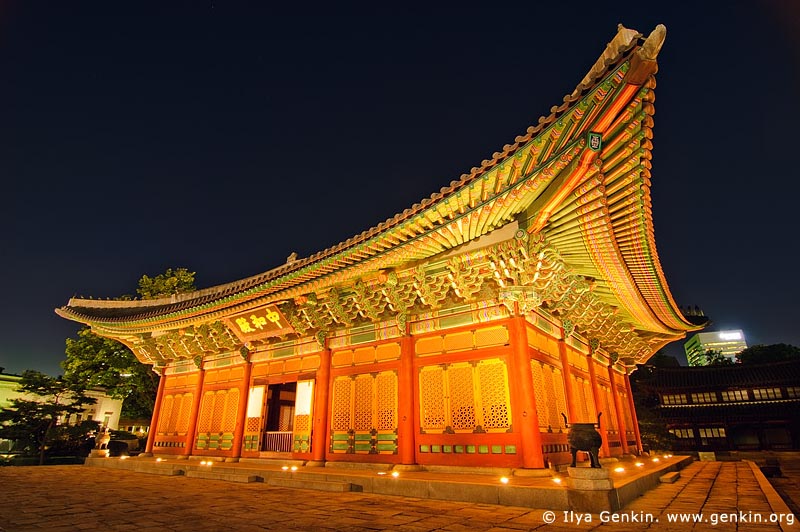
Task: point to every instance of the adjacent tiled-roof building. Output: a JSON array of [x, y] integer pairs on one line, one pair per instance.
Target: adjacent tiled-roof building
[[738, 407]]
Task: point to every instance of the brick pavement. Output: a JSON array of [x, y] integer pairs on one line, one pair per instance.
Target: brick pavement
[[67, 498], [788, 484]]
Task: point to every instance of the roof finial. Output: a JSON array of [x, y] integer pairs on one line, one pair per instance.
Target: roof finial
[[291, 258], [652, 45]]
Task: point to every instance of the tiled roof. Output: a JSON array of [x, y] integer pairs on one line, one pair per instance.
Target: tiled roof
[[593, 208], [722, 377], [111, 310], [741, 411]]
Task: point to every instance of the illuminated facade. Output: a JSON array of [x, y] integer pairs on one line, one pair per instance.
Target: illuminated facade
[[456, 332], [728, 343]]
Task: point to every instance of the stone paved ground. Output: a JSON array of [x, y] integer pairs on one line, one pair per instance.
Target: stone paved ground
[[71, 498], [788, 484]]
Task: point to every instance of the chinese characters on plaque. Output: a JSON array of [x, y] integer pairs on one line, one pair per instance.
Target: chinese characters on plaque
[[260, 322]]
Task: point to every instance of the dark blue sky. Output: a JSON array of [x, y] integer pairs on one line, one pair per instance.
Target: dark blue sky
[[136, 140]]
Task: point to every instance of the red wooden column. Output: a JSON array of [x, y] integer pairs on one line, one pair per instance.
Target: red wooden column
[[567, 376], [195, 413], [406, 435], [322, 385], [633, 414], [241, 417], [151, 436], [623, 440], [597, 403], [523, 397]]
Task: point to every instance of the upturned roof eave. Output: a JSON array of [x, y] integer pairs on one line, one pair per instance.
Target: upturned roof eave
[[82, 310]]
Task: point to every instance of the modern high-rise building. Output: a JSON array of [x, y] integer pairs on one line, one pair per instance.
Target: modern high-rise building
[[729, 343]]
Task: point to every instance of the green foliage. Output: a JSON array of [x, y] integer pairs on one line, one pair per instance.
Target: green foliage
[[71, 440], [716, 358], [101, 362], [32, 419], [168, 283], [662, 360], [761, 354], [654, 432], [652, 428]]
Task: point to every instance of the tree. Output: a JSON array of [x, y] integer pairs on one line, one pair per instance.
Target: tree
[[662, 360], [33, 421], [716, 358], [169, 283], [652, 428], [103, 362], [761, 354]]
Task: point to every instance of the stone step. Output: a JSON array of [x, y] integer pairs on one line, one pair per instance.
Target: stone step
[[359, 466], [669, 478], [227, 476], [306, 484]]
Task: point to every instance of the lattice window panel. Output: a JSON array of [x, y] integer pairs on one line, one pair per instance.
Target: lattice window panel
[[362, 411], [610, 414], [182, 426], [386, 400], [176, 411], [583, 401], [302, 423], [623, 398], [166, 414], [231, 410], [285, 419], [587, 391], [540, 392], [462, 397], [341, 404], [206, 412], [551, 377], [219, 411], [494, 395], [432, 398], [253, 424]]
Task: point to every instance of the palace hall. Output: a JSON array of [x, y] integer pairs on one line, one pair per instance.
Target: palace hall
[[456, 332]]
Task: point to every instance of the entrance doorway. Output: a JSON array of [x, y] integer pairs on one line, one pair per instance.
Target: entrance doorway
[[279, 417]]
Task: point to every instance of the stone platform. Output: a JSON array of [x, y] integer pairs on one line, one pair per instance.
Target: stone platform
[[579, 489]]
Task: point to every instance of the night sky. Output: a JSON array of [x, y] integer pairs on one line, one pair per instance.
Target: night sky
[[136, 140]]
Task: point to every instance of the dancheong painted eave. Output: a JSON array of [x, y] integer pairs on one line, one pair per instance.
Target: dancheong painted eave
[[576, 189]]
